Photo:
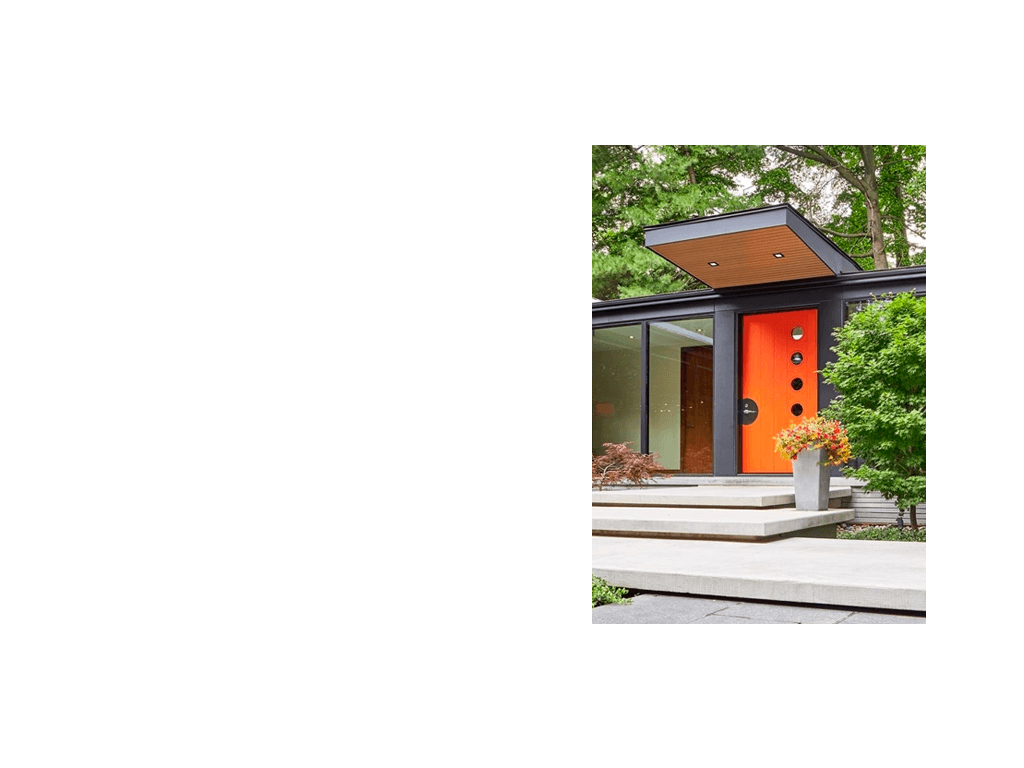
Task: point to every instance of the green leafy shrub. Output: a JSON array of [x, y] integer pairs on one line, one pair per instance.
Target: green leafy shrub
[[884, 533], [879, 374], [602, 592]]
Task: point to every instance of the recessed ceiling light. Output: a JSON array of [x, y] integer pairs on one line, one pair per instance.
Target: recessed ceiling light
[[778, 255], [712, 263]]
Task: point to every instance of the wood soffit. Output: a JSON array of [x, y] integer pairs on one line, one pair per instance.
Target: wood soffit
[[745, 258]]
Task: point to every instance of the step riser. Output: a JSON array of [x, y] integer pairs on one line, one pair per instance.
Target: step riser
[[820, 532]]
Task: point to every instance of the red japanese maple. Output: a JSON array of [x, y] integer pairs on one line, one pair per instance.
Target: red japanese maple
[[620, 464]]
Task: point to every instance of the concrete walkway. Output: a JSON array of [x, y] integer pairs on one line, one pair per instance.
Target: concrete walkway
[[678, 609], [887, 575]]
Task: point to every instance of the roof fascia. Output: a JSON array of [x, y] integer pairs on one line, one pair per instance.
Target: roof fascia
[[708, 297]]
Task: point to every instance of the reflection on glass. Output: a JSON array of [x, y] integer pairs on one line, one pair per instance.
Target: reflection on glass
[[681, 391], [616, 387], [853, 307], [797, 384], [797, 409], [797, 358], [798, 332]]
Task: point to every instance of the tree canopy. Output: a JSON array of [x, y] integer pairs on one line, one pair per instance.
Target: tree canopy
[[869, 198]]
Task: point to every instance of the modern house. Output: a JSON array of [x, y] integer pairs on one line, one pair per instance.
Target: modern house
[[707, 378]]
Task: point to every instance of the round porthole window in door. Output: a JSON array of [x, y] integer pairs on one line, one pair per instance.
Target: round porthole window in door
[[798, 332], [797, 358], [797, 409], [797, 384]]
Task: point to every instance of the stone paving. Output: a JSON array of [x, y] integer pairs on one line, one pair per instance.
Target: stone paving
[[680, 609]]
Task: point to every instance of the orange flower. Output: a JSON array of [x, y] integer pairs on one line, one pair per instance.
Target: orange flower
[[815, 432]]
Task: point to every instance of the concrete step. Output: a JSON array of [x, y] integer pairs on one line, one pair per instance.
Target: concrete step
[[740, 480], [716, 523], [836, 572], [717, 496]]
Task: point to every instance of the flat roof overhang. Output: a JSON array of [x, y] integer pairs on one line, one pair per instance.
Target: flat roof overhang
[[763, 245]]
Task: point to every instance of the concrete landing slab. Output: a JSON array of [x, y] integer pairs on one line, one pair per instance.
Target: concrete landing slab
[[739, 480], [712, 522], [705, 496], [834, 572]]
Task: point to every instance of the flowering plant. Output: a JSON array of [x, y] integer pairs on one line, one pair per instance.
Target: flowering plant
[[814, 433]]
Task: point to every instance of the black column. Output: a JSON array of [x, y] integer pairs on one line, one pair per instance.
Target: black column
[[724, 416], [830, 317], [645, 387]]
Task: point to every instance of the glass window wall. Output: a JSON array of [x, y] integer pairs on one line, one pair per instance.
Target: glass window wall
[[681, 394], [617, 358]]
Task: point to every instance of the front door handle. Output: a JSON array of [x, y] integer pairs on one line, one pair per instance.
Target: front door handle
[[748, 411]]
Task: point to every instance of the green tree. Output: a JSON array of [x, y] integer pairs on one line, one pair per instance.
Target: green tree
[[876, 201], [869, 198], [879, 374], [636, 186]]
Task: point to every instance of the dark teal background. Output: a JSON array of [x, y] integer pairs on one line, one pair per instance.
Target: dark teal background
[[296, 372]]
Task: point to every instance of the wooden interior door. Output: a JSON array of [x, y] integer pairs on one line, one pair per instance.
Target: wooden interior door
[[779, 383], [696, 388]]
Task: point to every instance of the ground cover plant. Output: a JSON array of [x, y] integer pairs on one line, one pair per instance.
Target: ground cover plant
[[603, 593], [882, 533]]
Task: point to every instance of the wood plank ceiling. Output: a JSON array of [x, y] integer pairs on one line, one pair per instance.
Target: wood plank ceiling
[[745, 258]]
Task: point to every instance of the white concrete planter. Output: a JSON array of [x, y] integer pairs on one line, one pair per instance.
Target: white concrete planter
[[811, 479]]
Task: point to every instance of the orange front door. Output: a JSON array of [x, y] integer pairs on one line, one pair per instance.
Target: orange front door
[[779, 383]]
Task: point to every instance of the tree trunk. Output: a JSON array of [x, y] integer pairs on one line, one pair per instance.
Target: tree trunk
[[693, 176], [903, 248], [867, 152], [913, 516], [875, 228]]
